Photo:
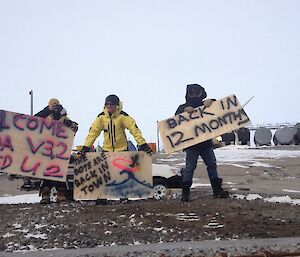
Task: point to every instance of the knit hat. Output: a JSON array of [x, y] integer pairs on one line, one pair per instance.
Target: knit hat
[[113, 99], [53, 101]]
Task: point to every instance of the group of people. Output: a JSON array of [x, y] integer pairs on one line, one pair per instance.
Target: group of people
[[113, 121]]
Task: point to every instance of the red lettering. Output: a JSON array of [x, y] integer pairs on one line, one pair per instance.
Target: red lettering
[[60, 131], [48, 149], [32, 123], [16, 118], [6, 143], [32, 169], [53, 171], [3, 125], [48, 123], [64, 149], [7, 161], [32, 147]]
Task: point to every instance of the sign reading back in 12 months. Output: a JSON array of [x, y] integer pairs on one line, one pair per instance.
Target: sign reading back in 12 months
[[34, 146], [112, 175], [187, 129]]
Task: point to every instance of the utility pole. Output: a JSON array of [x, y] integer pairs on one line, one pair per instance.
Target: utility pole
[[157, 135], [31, 102]]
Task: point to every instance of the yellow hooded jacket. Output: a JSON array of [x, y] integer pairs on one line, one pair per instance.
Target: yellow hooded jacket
[[114, 126]]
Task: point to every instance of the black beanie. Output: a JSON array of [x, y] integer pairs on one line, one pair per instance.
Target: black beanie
[[113, 99]]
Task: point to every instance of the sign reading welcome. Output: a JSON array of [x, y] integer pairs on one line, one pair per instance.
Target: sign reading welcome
[[34, 146], [112, 175], [187, 129]]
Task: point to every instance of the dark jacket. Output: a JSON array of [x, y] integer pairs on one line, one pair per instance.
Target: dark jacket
[[195, 103], [57, 114]]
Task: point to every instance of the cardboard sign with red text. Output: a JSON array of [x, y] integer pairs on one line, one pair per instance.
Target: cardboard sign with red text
[[34, 146], [187, 129]]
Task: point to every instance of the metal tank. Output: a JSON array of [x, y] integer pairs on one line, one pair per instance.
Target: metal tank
[[228, 138], [243, 136], [283, 136], [262, 136]]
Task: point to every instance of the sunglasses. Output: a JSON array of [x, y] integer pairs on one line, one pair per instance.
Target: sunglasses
[[110, 104]]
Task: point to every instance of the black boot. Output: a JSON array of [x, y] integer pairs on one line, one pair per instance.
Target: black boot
[[216, 184], [186, 190]]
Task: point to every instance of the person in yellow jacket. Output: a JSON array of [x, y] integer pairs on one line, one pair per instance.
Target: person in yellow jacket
[[113, 121]]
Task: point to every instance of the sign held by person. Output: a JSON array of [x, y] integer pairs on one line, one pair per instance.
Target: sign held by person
[[112, 175], [187, 129], [34, 146]]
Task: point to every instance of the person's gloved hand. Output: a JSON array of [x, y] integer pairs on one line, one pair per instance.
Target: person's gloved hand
[[85, 149], [145, 147], [74, 126], [71, 124], [68, 123], [208, 102], [189, 109]]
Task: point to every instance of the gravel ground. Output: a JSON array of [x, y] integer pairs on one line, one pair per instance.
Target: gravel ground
[[166, 227], [86, 225]]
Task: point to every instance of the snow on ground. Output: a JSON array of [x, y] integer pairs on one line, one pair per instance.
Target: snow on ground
[[34, 198], [248, 155], [234, 154], [17, 199], [274, 199]]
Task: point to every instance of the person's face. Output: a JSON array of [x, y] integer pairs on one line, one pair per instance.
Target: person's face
[[111, 107], [193, 93], [53, 106]]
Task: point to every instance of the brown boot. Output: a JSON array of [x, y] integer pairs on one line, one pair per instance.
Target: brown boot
[[45, 192], [61, 195]]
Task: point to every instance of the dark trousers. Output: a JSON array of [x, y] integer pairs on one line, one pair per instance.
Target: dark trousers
[[208, 158]]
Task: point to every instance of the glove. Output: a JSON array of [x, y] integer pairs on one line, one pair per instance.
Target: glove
[[85, 149], [74, 126], [145, 147], [189, 109], [208, 102], [71, 124]]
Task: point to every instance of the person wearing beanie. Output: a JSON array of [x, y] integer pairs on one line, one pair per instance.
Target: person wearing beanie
[[195, 95], [55, 111], [113, 121]]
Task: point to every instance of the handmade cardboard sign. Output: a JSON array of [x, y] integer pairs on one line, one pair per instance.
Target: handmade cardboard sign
[[187, 129], [34, 147], [112, 175]]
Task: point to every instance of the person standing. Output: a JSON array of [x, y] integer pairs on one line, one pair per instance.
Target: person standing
[[113, 121], [55, 111], [195, 95]]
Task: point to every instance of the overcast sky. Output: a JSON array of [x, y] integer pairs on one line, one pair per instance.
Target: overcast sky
[[146, 51]]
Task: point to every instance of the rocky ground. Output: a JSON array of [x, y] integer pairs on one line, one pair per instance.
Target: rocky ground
[[81, 225], [144, 222]]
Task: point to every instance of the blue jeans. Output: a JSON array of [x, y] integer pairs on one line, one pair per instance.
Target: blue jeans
[[208, 158]]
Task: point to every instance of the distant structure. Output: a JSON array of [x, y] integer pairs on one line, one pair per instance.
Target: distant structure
[[271, 126], [243, 136], [262, 136], [286, 133]]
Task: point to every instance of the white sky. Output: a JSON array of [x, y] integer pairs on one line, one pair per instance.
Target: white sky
[[146, 52]]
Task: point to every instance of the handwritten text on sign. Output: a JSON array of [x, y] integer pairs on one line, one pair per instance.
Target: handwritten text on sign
[[112, 175], [187, 129], [34, 147]]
